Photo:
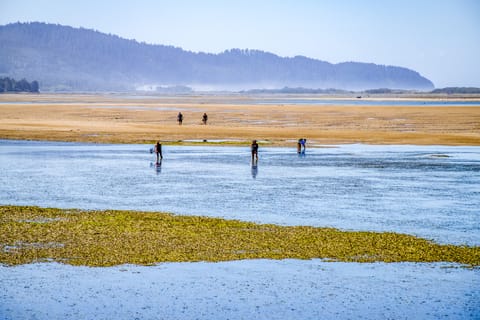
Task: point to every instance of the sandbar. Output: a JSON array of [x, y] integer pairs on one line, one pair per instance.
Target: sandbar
[[233, 119]]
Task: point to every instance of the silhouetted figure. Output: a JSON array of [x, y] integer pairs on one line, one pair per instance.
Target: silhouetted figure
[[180, 118], [302, 145], [158, 151], [254, 148], [204, 119]]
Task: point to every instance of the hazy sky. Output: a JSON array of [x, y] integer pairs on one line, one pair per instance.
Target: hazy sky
[[438, 38]]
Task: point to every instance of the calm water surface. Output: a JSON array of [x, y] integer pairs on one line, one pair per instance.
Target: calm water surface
[[267, 100], [360, 102], [429, 191]]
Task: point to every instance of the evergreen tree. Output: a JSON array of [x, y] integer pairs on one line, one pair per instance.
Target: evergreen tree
[[34, 87], [10, 85]]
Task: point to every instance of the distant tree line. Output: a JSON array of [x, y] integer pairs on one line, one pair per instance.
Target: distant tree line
[[297, 90], [458, 90], [301, 90], [11, 85], [387, 91]]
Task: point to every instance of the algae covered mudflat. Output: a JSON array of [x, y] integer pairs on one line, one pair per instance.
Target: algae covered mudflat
[[106, 238]]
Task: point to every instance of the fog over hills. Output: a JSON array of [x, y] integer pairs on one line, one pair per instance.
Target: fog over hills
[[77, 59]]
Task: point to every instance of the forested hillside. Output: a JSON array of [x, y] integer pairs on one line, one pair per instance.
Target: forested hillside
[[72, 59]]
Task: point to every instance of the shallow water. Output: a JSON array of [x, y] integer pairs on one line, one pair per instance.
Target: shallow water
[[266, 100], [249, 289], [359, 102], [429, 191]]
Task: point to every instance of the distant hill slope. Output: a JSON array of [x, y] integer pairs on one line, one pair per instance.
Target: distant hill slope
[[66, 58]]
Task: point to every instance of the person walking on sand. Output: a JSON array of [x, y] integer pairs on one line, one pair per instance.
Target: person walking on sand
[[204, 119], [158, 151], [180, 118], [254, 148]]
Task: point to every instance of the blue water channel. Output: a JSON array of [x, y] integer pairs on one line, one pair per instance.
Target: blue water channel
[[359, 102], [282, 100], [428, 191]]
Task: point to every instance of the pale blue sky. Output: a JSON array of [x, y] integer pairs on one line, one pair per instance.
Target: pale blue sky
[[438, 38]]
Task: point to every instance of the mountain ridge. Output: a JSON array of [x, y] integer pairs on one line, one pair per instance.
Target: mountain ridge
[[74, 59]]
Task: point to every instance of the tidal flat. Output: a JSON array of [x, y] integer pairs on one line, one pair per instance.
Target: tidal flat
[[380, 203], [427, 191], [278, 119]]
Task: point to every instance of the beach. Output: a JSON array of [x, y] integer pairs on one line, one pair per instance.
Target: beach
[[237, 119], [377, 169]]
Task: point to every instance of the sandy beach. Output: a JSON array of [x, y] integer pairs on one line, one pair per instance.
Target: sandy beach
[[233, 118]]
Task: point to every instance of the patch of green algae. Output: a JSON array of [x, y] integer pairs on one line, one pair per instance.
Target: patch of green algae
[[107, 238]]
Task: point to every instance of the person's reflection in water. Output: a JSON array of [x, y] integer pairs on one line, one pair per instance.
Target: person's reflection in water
[[254, 170], [157, 166]]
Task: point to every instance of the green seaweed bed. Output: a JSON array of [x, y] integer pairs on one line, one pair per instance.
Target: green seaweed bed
[[107, 238]]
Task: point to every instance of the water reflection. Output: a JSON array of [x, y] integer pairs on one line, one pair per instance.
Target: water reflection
[[254, 169], [157, 166]]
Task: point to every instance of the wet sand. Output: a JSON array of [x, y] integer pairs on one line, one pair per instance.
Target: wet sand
[[232, 118]]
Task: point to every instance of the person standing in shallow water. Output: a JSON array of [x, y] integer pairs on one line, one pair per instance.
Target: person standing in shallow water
[[301, 146], [158, 151], [204, 119], [254, 148], [303, 143], [180, 118]]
